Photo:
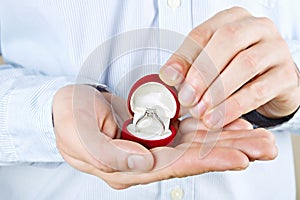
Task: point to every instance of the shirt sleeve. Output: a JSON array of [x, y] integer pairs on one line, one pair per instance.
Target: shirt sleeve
[[26, 130]]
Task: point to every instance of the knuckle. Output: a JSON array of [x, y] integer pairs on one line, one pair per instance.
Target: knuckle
[[200, 35], [258, 91], [103, 168], [241, 161], [283, 46], [250, 61], [235, 10], [208, 99], [236, 104], [244, 164], [273, 153], [268, 150], [199, 88], [184, 59], [266, 134], [202, 73], [230, 31], [266, 22], [261, 149], [271, 137], [238, 10], [117, 186], [196, 78]]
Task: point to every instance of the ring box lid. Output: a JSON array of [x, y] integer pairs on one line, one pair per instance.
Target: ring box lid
[[151, 92]]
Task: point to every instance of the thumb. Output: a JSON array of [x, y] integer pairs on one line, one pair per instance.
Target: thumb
[[109, 154], [130, 156]]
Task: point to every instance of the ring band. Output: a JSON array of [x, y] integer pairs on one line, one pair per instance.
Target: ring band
[[150, 113]]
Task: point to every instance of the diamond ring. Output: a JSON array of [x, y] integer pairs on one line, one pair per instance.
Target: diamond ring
[[149, 120]]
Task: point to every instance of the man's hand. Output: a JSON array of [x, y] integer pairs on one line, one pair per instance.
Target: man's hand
[[87, 133], [85, 128], [234, 61]]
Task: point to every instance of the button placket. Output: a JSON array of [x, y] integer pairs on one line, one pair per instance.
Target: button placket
[[175, 17]]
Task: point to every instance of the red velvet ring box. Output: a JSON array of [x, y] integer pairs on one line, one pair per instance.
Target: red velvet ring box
[[150, 93]]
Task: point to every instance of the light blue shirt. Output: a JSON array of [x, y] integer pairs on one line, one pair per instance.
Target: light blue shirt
[[46, 44]]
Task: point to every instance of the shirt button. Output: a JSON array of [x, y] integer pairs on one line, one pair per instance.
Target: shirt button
[[177, 193], [174, 3]]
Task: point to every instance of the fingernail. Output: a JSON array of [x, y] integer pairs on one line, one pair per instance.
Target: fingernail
[[137, 162], [171, 75], [186, 95], [198, 110], [214, 119]]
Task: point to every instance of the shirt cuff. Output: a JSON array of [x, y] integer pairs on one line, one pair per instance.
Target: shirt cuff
[[260, 121], [29, 122]]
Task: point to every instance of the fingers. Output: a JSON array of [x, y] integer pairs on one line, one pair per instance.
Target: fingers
[[176, 68], [257, 144], [261, 90], [245, 66], [118, 109], [219, 61], [233, 151], [264, 149], [234, 37], [237, 129], [191, 125], [188, 164], [238, 124]]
